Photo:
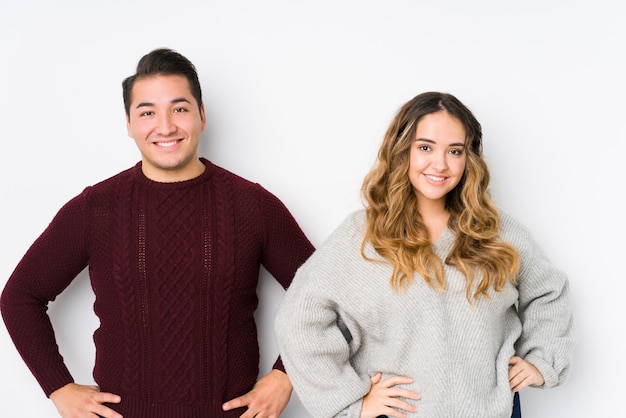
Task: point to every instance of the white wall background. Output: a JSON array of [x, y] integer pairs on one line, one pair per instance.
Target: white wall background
[[298, 96]]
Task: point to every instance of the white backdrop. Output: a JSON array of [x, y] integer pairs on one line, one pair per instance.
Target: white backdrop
[[298, 95]]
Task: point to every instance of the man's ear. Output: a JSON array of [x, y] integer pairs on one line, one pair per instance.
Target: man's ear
[[203, 116], [128, 125]]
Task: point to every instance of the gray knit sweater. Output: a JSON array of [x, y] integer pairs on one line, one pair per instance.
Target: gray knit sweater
[[340, 323]]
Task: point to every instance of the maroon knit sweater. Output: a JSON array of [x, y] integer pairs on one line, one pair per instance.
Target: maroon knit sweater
[[174, 267]]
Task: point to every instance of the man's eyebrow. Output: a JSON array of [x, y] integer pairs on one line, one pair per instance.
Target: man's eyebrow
[[174, 101], [181, 100], [144, 104]]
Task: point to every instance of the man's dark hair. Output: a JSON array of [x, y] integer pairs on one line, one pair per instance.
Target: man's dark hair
[[162, 61]]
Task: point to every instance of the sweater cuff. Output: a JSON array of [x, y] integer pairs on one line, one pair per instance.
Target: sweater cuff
[[550, 377], [278, 365], [55, 377]]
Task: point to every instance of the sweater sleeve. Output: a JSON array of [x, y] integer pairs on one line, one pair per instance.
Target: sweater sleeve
[[548, 331], [285, 246], [56, 257], [316, 353], [315, 347]]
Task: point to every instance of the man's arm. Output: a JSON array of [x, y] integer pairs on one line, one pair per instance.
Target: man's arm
[[56, 257]]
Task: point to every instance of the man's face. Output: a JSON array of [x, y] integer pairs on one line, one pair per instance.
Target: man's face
[[166, 124]]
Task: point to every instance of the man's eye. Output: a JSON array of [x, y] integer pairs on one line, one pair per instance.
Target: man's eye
[[180, 110]]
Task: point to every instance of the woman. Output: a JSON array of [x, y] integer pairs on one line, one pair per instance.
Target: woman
[[430, 302]]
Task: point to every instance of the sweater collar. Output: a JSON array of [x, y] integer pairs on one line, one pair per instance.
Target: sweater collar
[[202, 178]]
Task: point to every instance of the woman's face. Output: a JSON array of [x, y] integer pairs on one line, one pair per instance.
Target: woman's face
[[437, 157]]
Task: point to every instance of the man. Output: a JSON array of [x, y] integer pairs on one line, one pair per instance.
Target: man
[[174, 247]]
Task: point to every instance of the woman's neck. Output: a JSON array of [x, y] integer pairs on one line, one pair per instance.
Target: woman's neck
[[435, 217]]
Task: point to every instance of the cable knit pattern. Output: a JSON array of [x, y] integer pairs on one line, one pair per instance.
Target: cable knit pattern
[[174, 267], [341, 323], [122, 278], [225, 233], [174, 215]]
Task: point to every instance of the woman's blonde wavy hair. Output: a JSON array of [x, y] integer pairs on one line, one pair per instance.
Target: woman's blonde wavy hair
[[394, 225]]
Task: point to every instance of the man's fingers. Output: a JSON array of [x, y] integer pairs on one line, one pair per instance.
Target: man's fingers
[[105, 412], [106, 397], [235, 403]]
